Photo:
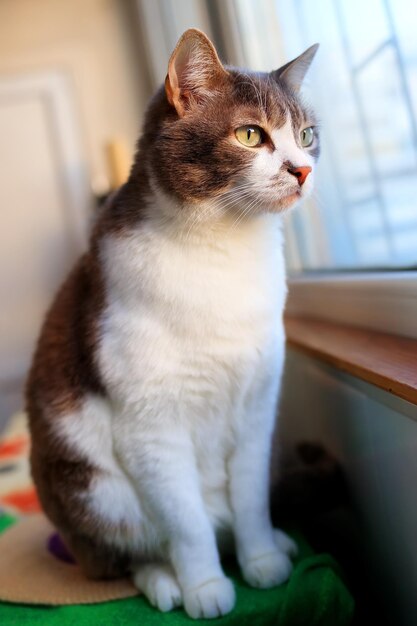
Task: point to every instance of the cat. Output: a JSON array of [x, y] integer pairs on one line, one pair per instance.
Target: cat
[[153, 390]]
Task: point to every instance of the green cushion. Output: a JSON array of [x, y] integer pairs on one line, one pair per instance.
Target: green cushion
[[314, 595]]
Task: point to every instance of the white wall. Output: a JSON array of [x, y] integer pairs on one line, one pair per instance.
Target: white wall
[[374, 436], [94, 41], [72, 77]]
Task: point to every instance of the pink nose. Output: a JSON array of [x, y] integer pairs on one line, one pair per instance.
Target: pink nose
[[300, 173]]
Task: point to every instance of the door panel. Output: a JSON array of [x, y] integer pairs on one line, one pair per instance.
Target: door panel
[[44, 209]]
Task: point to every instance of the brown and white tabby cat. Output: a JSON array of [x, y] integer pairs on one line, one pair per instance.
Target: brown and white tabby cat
[[153, 390]]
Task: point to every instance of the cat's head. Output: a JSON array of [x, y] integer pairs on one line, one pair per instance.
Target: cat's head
[[243, 141]]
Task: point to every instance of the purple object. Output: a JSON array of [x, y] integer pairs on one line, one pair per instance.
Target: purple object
[[58, 549]]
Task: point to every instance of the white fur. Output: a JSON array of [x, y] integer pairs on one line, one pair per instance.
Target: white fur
[[111, 497], [268, 163], [160, 585], [191, 353]]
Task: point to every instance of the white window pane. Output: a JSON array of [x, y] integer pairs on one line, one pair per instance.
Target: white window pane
[[363, 85], [366, 26]]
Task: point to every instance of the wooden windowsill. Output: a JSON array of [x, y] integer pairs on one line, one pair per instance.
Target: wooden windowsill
[[387, 361]]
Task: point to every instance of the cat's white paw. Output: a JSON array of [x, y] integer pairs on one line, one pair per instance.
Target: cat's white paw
[[159, 584], [284, 543], [267, 570], [212, 599]]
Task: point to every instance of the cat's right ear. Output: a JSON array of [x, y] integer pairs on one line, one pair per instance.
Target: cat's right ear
[[194, 71], [293, 73]]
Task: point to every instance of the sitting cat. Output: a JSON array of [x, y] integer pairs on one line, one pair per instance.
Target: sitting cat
[[153, 390]]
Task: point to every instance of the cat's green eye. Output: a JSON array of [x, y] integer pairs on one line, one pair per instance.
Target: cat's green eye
[[250, 136], [307, 137]]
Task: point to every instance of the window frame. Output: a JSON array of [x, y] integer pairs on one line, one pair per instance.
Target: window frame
[[381, 301]]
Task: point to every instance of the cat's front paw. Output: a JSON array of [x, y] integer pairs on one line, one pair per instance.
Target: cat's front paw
[[267, 570], [211, 599], [159, 584]]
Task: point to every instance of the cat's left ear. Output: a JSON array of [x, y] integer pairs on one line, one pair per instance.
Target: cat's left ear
[[194, 71], [293, 73]]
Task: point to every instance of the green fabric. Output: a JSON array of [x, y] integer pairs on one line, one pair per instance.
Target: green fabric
[[6, 520], [314, 595]]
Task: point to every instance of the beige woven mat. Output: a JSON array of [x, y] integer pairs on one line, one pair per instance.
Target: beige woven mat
[[29, 574]]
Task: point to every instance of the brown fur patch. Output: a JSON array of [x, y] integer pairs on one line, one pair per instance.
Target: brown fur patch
[[63, 367]]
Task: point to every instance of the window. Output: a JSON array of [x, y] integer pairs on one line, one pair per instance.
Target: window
[[363, 83]]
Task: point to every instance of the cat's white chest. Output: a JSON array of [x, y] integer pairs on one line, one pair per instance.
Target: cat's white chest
[[196, 318]]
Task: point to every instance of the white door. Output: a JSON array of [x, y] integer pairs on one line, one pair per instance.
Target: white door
[[44, 211]]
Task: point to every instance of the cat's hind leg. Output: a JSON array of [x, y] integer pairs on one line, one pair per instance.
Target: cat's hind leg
[[285, 543], [97, 560], [159, 584]]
